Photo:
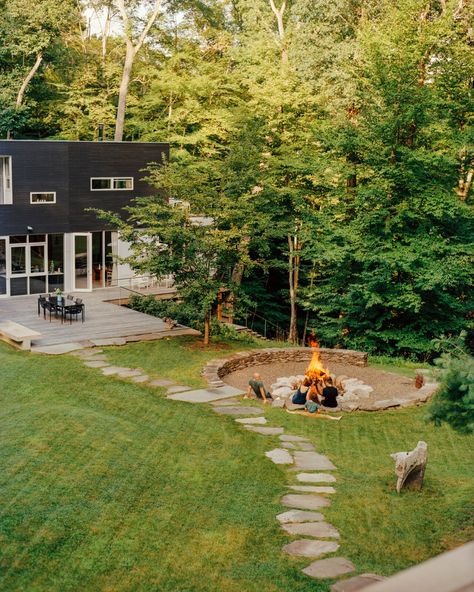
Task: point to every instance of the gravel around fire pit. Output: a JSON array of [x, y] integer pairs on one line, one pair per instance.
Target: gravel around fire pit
[[386, 385]]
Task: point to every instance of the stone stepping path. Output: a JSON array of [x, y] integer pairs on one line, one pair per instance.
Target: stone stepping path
[[321, 529], [265, 431], [292, 516], [96, 364], [238, 410], [329, 568], [305, 502], [296, 452], [356, 583], [312, 461], [280, 456], [313, 488], [310, 548], [316, 477], [252, 420], [202, 395]]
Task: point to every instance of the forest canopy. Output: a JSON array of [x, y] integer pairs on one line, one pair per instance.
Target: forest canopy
[[329, 141]]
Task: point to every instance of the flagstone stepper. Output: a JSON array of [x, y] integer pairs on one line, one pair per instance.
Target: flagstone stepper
[[161, 382], [329, 568], [310, 548], [204, 395], [293, 516], [242, 410], [305, 502], [280, 456], [98, 364], [312, 461], [312, 488], [110, 370], [266, 431], [316, 477], [251, 420], [356, 583], [290, 438], [321, 530]]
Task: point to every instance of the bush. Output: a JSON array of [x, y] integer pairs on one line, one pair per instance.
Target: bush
[[454, 401], [186, 315]]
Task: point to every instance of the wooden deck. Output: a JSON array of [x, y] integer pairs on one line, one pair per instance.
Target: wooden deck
[[104, 320]]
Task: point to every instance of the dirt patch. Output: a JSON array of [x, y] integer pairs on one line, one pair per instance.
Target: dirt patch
[[217, 347], [386, 385]]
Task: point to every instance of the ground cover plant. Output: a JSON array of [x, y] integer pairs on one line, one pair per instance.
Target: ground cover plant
[[111, 486]]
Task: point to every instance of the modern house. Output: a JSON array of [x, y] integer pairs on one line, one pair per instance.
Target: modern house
[[48, 238]]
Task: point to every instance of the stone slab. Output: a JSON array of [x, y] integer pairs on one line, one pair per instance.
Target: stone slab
[[320, 530], [204, 395], [161, 382], [310, 548], [252, 420], [179, 388], [231, 401], [313, 488], [329, 568], [306, 446], [109, 341], [130, 373], [110, 370], [97, 358], [290, 438], [242, 410], [312, 461], [316, 477], [90, 351], [293, 516], [56, 350], [356, 583], [278, 403], [288, 445], [141, 378], [265, 431], [96, 364], [305, 502], [280, 456]]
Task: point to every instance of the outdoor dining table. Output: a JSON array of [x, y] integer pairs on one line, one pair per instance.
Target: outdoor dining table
[[61, 306]]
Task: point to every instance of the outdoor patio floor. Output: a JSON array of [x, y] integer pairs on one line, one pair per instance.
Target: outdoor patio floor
[[103, 321]]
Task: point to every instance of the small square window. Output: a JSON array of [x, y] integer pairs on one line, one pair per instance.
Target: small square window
[[44, 197]]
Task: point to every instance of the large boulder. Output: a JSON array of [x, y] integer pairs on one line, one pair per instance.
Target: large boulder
[[282, 392]]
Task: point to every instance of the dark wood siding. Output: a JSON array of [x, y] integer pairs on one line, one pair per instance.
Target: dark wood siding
[[66, 168]]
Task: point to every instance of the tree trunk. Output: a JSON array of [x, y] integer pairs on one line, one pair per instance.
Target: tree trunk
[[27, 80], [293, 276], [281, 28], [207, 328], [123, 92]]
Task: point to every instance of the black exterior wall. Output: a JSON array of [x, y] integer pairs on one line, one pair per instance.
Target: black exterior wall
[[66, 168]]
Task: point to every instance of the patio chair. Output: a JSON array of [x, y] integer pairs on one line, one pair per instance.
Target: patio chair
[[74, 310]]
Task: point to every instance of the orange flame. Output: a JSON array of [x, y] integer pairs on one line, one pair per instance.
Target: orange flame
[[316, 370]]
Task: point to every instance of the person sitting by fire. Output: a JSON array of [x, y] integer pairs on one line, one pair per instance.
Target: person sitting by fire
[[312, 408], [329, 394], [257, 388], [304, 391]]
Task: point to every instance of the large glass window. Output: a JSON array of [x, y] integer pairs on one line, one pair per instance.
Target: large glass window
[[6, 195], [37, 259], [18, 260]]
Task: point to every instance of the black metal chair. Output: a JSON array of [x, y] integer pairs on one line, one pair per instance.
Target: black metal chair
[[74, 310]]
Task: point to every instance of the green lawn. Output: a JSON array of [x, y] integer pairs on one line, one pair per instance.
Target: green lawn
[[106, 485]]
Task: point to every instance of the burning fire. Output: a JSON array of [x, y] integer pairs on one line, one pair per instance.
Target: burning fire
[[316, 370]]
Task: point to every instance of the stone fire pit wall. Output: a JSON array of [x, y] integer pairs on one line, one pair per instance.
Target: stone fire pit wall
[[215, 370]]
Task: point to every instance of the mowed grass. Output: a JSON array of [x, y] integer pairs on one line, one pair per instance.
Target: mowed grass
[[106, 485]]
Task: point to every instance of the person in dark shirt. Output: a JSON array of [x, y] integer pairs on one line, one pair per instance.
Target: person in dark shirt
[[329, 394], [257, 388]]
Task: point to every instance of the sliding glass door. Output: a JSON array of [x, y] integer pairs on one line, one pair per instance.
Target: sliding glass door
[[83, 262]]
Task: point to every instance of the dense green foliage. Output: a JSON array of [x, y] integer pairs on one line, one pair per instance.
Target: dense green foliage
[[109, 485], [454, 401], [332, 149]]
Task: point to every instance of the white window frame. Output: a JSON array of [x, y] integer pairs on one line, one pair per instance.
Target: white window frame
[[8, 196], [112, 180], [42, 203]]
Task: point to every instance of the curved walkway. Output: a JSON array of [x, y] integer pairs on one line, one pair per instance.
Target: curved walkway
[[314, 472]]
